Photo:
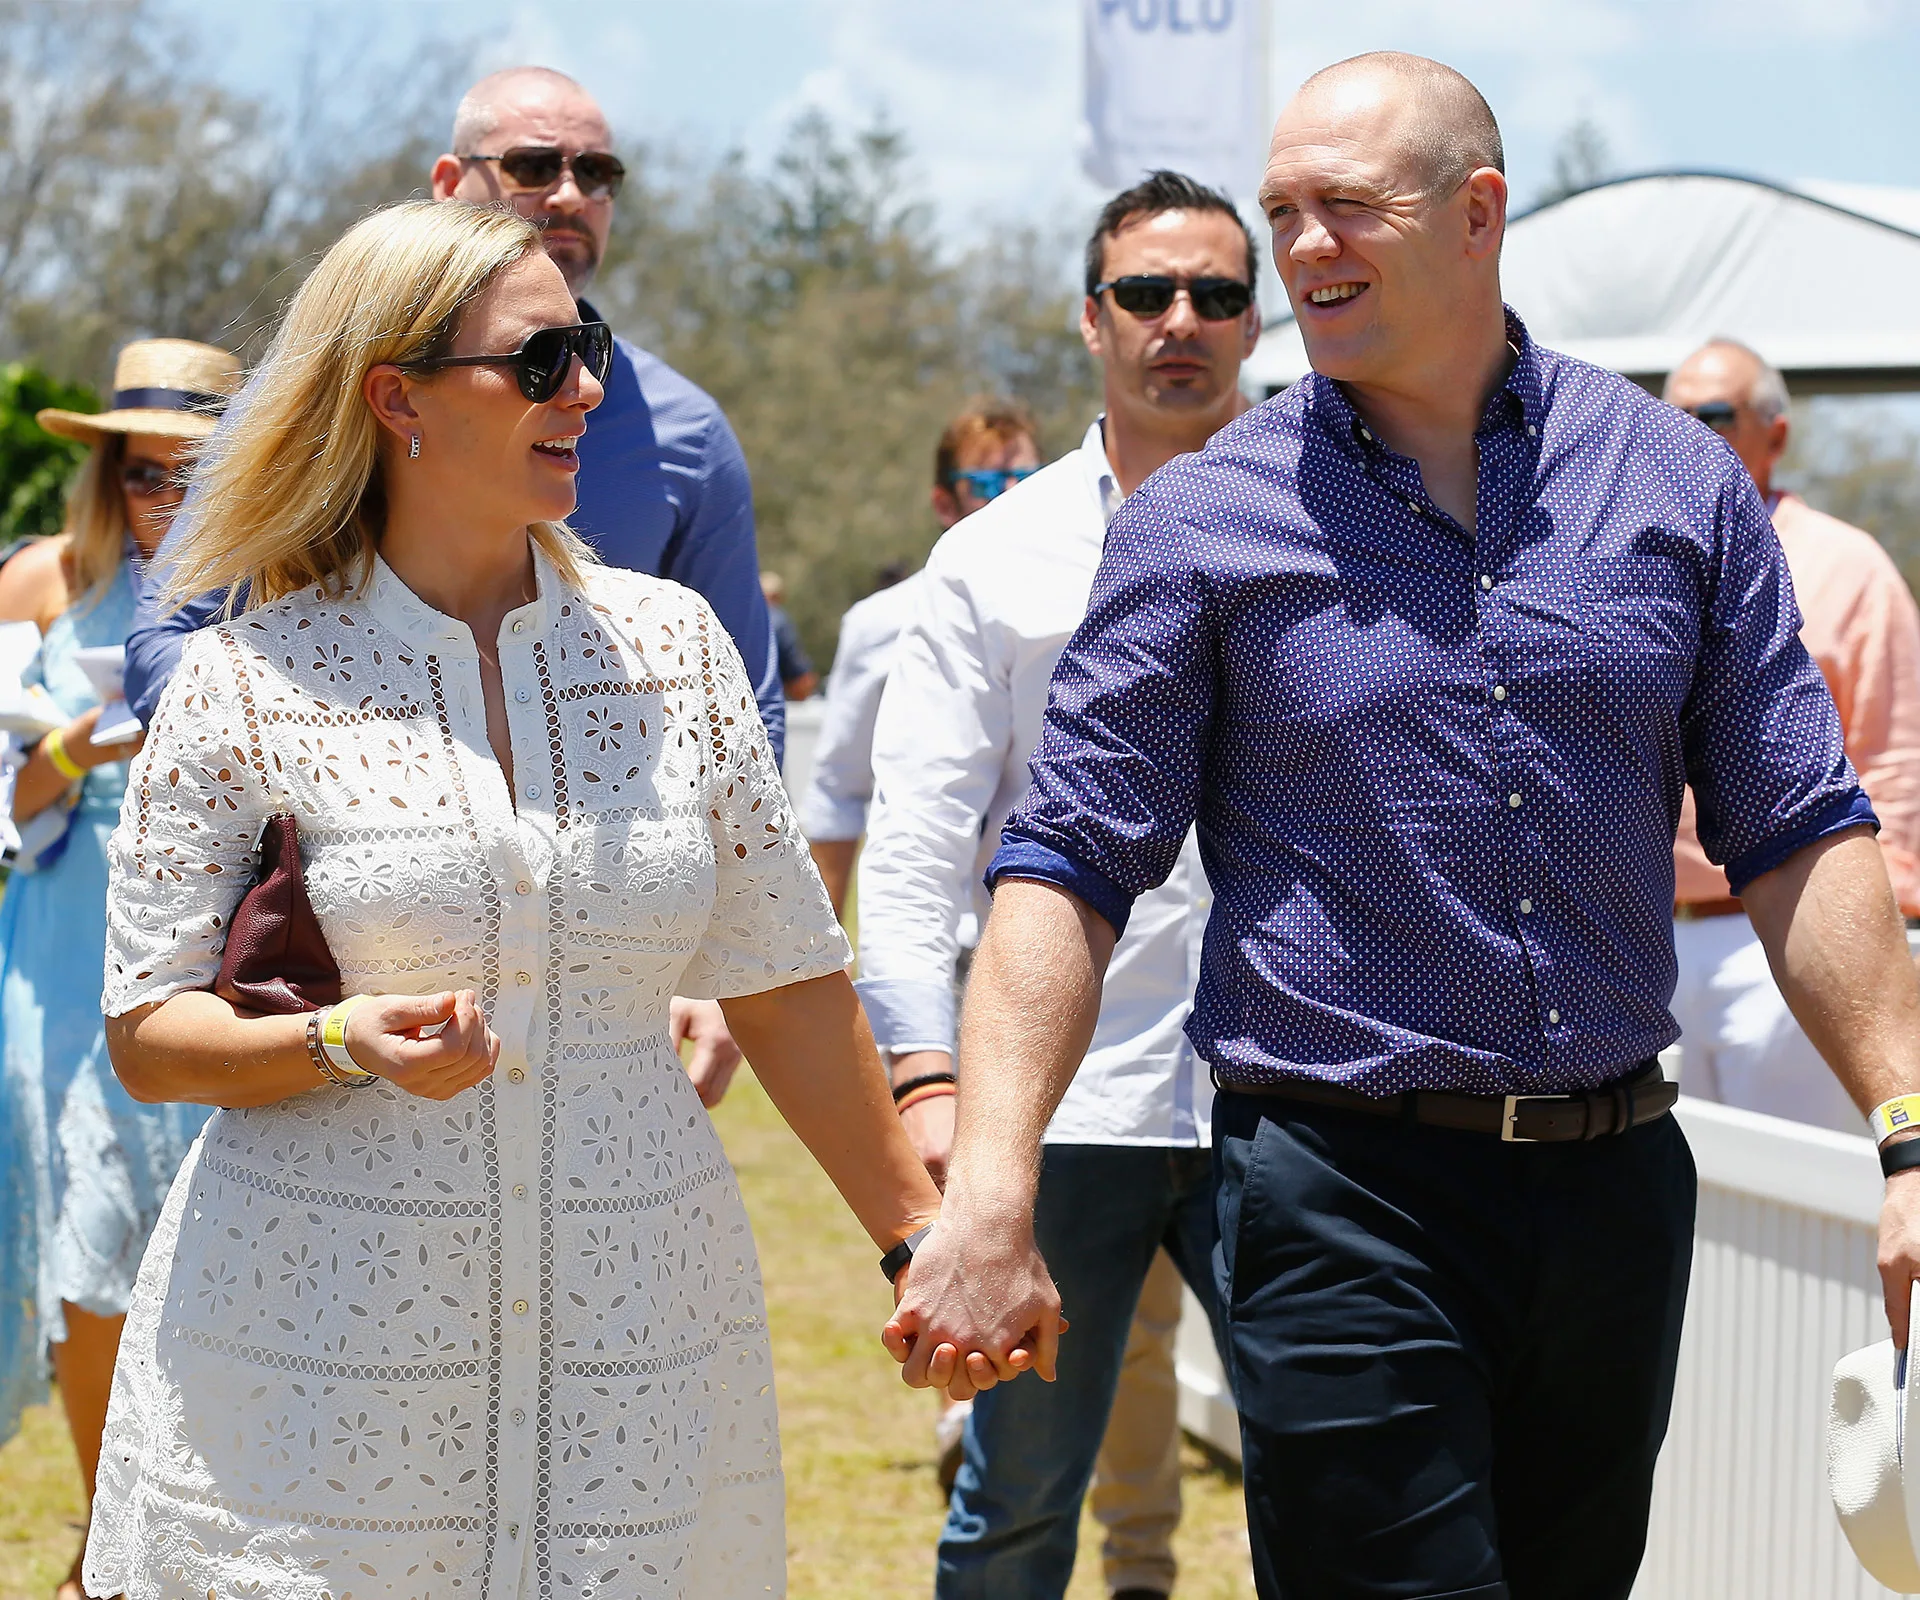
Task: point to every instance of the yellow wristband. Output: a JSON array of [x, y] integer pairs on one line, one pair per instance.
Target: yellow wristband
[[55, 745], [1898, 1115], [333, 1039]]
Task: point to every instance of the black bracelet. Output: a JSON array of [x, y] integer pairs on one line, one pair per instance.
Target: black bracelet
[[902, 1253], [1899, 1157], [902, 1090]]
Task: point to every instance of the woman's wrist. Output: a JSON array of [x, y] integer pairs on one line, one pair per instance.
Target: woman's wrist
[[55, 747]]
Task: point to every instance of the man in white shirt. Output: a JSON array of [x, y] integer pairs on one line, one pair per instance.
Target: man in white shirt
[[1170, 315], [983, 452]]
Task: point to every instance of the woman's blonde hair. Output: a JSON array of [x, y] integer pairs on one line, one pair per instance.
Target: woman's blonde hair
[[96, 529], [288, 492]]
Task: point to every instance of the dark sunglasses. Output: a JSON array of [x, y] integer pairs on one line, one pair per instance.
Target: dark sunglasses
[[1149, 294], [544, 358], [1719, 415], [599, 173], [989, 483], [147, 478]]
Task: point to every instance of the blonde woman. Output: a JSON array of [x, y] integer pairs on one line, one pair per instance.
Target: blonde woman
[[482, 1316], [88, 1167]]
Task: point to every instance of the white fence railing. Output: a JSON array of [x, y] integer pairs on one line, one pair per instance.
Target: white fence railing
[[1783, 1285]]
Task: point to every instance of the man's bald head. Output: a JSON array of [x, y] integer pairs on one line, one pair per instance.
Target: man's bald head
[[1448, 127], [483, 107]]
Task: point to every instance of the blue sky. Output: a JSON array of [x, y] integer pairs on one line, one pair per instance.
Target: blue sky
[[988, 90]]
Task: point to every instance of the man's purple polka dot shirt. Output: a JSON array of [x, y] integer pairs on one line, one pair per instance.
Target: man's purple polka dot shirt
[[1436, 775]]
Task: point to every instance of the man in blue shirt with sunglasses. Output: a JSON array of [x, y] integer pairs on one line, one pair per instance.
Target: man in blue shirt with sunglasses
[[663, 485]]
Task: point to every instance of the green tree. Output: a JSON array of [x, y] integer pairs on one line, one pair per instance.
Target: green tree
[[35, 466]]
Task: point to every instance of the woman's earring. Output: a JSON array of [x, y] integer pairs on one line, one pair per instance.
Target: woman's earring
[[413, 448]]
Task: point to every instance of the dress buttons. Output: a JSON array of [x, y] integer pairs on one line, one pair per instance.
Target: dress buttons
[[519, 1191], [1553, 1016], [533, 791], [513, 1530], [519, 1415], [1499, 691], [1526, 908], [522, 696], [1513, 800], [519, 1308], [520, 625], [523, 887], [517, 1074], [1486, 581], [523, 978]]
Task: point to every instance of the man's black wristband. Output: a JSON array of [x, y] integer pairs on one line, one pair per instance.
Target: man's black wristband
[[902, 1253], [1899, 1157], [902, 1090]]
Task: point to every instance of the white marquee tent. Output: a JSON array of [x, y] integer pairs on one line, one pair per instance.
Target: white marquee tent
[[1636, 273]]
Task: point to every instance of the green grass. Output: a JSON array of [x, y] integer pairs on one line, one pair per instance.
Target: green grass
[[862, 1507]]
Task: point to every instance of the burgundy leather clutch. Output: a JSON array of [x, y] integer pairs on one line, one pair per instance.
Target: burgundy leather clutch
[[277, 958]]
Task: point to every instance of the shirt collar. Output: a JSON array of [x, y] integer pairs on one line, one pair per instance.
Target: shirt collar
[[403, 611], [1101, 478], [1518, 402]]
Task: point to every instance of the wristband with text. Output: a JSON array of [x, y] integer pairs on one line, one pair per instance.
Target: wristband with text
[[1894, 1116], [333, 1041]]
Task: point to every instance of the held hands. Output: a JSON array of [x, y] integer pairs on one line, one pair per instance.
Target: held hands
[[976, 1307], [431, 1045]]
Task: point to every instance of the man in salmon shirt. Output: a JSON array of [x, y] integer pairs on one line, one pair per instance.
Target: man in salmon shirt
[[1741, 1046]]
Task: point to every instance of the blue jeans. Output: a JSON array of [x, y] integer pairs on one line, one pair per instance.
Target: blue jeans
[[1013, 1524]]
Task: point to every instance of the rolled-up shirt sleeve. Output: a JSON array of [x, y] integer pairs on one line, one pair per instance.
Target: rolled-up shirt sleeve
[[1762, 738], [1116, 779]]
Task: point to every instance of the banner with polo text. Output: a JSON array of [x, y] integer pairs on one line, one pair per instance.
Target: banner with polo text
[[1176, 83]]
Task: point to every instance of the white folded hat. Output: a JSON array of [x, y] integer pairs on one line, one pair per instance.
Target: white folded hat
[[1873, 1412]]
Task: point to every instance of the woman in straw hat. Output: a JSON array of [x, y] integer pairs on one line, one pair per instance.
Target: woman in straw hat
[[89, 1166], [457, 1294]]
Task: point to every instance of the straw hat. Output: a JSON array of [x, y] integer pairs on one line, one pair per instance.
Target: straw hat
[[1873, 1416], [173, 387]]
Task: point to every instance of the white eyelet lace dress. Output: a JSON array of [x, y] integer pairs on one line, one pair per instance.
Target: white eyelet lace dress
[[511, 1344]]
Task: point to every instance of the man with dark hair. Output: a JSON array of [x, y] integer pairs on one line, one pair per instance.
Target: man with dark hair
[[1428, 648], [1170, 315]]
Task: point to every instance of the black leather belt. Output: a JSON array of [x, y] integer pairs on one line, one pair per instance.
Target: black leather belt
[[1641, 1096]]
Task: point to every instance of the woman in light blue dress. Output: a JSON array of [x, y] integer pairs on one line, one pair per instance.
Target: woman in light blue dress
[[84, 1168]]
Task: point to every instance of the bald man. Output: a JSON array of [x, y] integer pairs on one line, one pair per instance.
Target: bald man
[[1742, 1045], [1427, 648]]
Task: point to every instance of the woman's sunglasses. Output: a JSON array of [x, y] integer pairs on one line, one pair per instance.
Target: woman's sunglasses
[[544, 358], [989, 483], [1149, 294], [535, 167], [149, 478]]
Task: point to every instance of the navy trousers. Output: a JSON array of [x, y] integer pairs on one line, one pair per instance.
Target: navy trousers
[[1453, 1357]]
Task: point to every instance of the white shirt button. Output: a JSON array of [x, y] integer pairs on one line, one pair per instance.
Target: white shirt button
[[517, 1074], [523, 887], [1526, 908], [1486, 581], [1414, 507], [1513, 800], [519, 1308], [1553, 1016], [519, 1191], [523, 978], [522, 696], [1366, 435], [1532, 431], [1499, 691]]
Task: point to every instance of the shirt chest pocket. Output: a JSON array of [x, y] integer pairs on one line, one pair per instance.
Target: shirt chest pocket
[[1643, 614]]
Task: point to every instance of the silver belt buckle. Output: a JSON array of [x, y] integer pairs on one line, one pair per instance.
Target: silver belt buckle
[[1510, 1116]]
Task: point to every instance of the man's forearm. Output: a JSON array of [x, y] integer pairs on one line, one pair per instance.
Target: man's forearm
[[1838, 950], [1032, 1002]]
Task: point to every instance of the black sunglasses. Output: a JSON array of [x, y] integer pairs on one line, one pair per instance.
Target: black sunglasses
[[148, 478], [599, 173], [1719, 415], [1149, 294], [544, 358]]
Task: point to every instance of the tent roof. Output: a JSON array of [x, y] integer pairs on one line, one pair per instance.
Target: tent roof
[[1637, 273]]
